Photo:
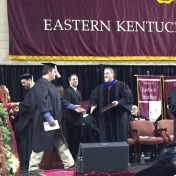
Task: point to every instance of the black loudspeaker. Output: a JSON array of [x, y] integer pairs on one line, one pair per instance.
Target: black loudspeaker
[[102, 157]]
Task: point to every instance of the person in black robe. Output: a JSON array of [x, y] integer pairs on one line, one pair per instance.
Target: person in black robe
[[47, 107], [24, 126], [90, 130], [112, 122]]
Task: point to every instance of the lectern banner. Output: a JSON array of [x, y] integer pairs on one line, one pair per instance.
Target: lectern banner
[[169, 83], [149, 96]]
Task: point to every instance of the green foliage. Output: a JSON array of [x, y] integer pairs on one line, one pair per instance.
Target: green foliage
[[5, 139], [3, 113]]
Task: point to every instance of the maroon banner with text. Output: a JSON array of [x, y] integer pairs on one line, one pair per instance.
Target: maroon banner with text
[[91, 28], [149, 96], [169, 83]]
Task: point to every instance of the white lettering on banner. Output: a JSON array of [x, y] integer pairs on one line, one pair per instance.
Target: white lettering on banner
[[67, 24], [118, 26], [149, 89], [146, 26], [47, 24], [77, 25], [148, 82], [150, 97]]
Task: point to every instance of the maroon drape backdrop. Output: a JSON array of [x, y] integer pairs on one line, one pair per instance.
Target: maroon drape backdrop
[[92, 28]]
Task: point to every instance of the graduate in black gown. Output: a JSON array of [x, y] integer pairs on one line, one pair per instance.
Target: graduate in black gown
[[113, 122], [24, 126], [47, 107]]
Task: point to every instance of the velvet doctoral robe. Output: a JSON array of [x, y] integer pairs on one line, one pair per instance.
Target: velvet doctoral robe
[[113, 122], [45, 99]]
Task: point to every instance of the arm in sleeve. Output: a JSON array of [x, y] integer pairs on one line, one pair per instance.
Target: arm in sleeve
[[71, 106], [94, 97], [126, 99], [66, 100], [48, 116]]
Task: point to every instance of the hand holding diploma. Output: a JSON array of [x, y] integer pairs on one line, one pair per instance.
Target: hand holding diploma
[[52, 123]]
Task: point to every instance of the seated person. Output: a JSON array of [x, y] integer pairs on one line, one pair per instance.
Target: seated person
[[135, 115]]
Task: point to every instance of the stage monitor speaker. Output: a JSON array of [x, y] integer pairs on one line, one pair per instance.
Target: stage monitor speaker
[[102, 157]]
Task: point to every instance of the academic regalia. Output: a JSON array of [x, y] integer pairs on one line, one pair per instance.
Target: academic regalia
[[45, 99], [90, 130], [25, 111], [113, 122], [24, 126], [24, 129]]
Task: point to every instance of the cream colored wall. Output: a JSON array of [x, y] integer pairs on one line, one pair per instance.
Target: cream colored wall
[[4, 49]]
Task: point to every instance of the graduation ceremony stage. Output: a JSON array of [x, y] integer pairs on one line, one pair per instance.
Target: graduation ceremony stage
[[53, 166], [135, 167], [51, 161]]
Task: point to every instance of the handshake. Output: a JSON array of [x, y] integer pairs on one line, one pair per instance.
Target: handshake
[[79, 109]]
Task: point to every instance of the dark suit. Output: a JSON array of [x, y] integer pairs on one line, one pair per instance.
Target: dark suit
[[74, 121]]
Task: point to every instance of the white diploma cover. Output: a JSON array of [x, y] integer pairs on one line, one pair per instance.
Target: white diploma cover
[[47, 126]]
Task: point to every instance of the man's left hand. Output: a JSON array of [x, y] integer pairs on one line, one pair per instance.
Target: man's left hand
[[115, 103]]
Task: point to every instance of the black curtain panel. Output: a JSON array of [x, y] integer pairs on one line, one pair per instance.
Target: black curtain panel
[[89, 76]]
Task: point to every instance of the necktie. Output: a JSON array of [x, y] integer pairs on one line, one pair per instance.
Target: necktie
[[77, 92]]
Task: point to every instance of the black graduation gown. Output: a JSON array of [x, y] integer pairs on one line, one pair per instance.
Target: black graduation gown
[[45, 98], [90, 130], [24, 129], [113, 122], [24, 111]]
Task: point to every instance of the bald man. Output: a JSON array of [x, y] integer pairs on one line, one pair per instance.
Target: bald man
[[134, 114]]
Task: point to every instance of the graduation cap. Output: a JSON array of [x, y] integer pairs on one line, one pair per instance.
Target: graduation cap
[[26, 76], [51, 66]]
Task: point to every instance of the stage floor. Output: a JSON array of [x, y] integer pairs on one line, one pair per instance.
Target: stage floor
[[135, 167]]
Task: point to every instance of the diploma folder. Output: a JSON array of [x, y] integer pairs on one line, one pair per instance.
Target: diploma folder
[[47, 126], [85, 104], [107, 107]]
